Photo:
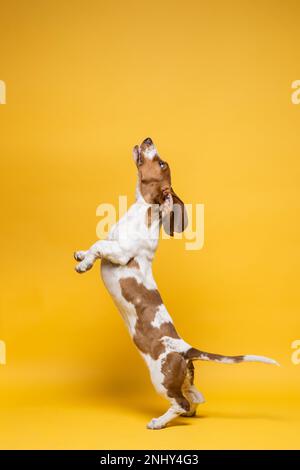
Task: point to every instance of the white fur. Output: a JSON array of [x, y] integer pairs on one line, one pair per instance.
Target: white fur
[[161, 316], [169, 415], [156, 374], [175, 345], [150, 152], [266, 360]]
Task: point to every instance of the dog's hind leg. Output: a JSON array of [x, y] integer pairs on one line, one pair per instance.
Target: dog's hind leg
[[173, 412], [193, 395], [174, 371]]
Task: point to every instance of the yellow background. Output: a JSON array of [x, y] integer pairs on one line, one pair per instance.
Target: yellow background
[[210, 82]]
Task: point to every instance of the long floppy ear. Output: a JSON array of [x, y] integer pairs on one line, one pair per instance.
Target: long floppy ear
[[176, 220], [137, 156]]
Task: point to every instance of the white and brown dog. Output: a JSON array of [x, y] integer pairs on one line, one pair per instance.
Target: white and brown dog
[[126, 268]]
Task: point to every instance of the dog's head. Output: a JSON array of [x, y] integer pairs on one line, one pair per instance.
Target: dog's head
[[154, 180]]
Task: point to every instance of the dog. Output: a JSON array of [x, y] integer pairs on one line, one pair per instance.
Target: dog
[[126, 267]]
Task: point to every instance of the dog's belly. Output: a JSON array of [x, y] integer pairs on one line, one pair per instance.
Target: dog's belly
[[111, 275], [114, 275], [134, 292]]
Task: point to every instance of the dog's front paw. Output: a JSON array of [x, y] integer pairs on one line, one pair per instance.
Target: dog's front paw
[[79, 255], [84, 266], [155, 423]]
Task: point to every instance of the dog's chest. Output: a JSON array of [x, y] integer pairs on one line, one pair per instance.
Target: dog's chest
[[134, 233]]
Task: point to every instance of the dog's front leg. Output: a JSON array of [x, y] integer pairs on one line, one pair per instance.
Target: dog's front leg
[[107, 249]]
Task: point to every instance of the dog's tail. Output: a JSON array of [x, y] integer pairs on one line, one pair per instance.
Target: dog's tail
[[195, 354]]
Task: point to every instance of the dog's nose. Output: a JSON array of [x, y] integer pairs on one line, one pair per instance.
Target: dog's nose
[[148, 141]]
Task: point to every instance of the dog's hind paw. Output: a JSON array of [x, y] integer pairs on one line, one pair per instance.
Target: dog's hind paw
[[155, 423], [189, 414]]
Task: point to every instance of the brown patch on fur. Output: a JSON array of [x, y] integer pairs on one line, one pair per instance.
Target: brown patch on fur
[[132, 263], [191, 372], [146, 301], [175, 368]]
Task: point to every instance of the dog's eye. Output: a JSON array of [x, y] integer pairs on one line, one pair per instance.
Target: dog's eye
[[162, 164]]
